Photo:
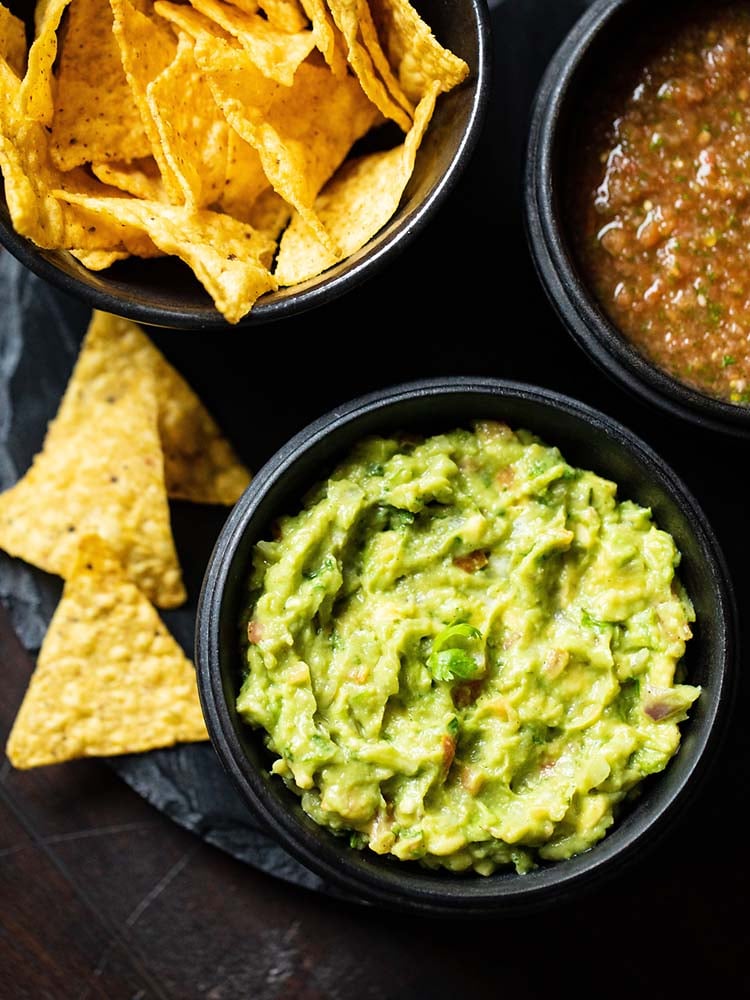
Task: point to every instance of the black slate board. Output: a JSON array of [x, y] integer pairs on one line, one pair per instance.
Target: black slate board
[[39, 341], [463, 300]]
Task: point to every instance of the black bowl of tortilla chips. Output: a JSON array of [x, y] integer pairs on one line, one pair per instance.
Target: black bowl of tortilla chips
[[374, 856], [213, 167]]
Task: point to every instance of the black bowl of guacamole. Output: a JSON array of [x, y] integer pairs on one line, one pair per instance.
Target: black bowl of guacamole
[[466, 647]]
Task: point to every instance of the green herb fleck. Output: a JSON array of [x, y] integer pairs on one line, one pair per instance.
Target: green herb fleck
[[589, 621], [453, 664], [714, 312]]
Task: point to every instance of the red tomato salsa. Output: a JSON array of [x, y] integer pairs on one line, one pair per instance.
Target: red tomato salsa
[[664, 211]]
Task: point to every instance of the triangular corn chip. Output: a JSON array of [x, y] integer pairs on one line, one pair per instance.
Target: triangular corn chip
[[371, 41], [355, 204], [346, 16], [249, 6], [299, 151], [141, 178], [96, 118], [147, 46], [199, 463], [36, 101], [286, 15], [227, 256], [413, 51], [276, 53], [29, 178], [103, 473], [328, 38], [99, 260], [245, 179], [192, 130], [184, 17], [109, 679], [13, 41]]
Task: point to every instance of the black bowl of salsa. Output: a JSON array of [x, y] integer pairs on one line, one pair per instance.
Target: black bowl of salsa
[[637, 201]]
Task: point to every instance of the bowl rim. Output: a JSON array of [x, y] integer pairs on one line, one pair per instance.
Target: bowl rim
[[343, 277], [577, 308], [416, 890]]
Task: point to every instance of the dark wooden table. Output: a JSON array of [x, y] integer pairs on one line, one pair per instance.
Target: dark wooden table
[[103, 896]]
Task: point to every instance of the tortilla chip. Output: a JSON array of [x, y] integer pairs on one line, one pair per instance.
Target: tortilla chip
[[225, 255], [299, 149], [99, 260], [109, 679], [104, 474], [36, 100], [249, 6], [13, 41], [85, 229], [371, 41], [184, 17], [412, 49], [32, 212], [200, 465], [270, 214], [147, 47], [346, 16], [198, 129], [328, 38], [141, 178], [95, 117], [359, 200], [37, 214], [276, 53], [245, 179], [192, 130], [286, 15]]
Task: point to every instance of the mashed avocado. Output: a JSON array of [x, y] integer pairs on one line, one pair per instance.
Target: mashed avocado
[[466, 652]]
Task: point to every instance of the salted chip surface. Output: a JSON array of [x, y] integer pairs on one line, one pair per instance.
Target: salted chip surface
[[287, 15], [140, 178], [355, 204], [225, 255], [302, 133], [13, 46], [147, 46], [36, 98], [192, 131], [99, 260], [346, 15], [95, 116], [200, 464], [270, 214], [102, 473], [328, 39], [184, 17], [276, 52], [245, 179], [30, 177], [371, 40], [110, 678], [413, 49]]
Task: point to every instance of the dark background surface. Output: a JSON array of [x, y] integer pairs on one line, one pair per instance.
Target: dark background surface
[[102, 894]]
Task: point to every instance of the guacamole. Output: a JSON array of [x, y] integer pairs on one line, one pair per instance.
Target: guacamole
[[465, 652]]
